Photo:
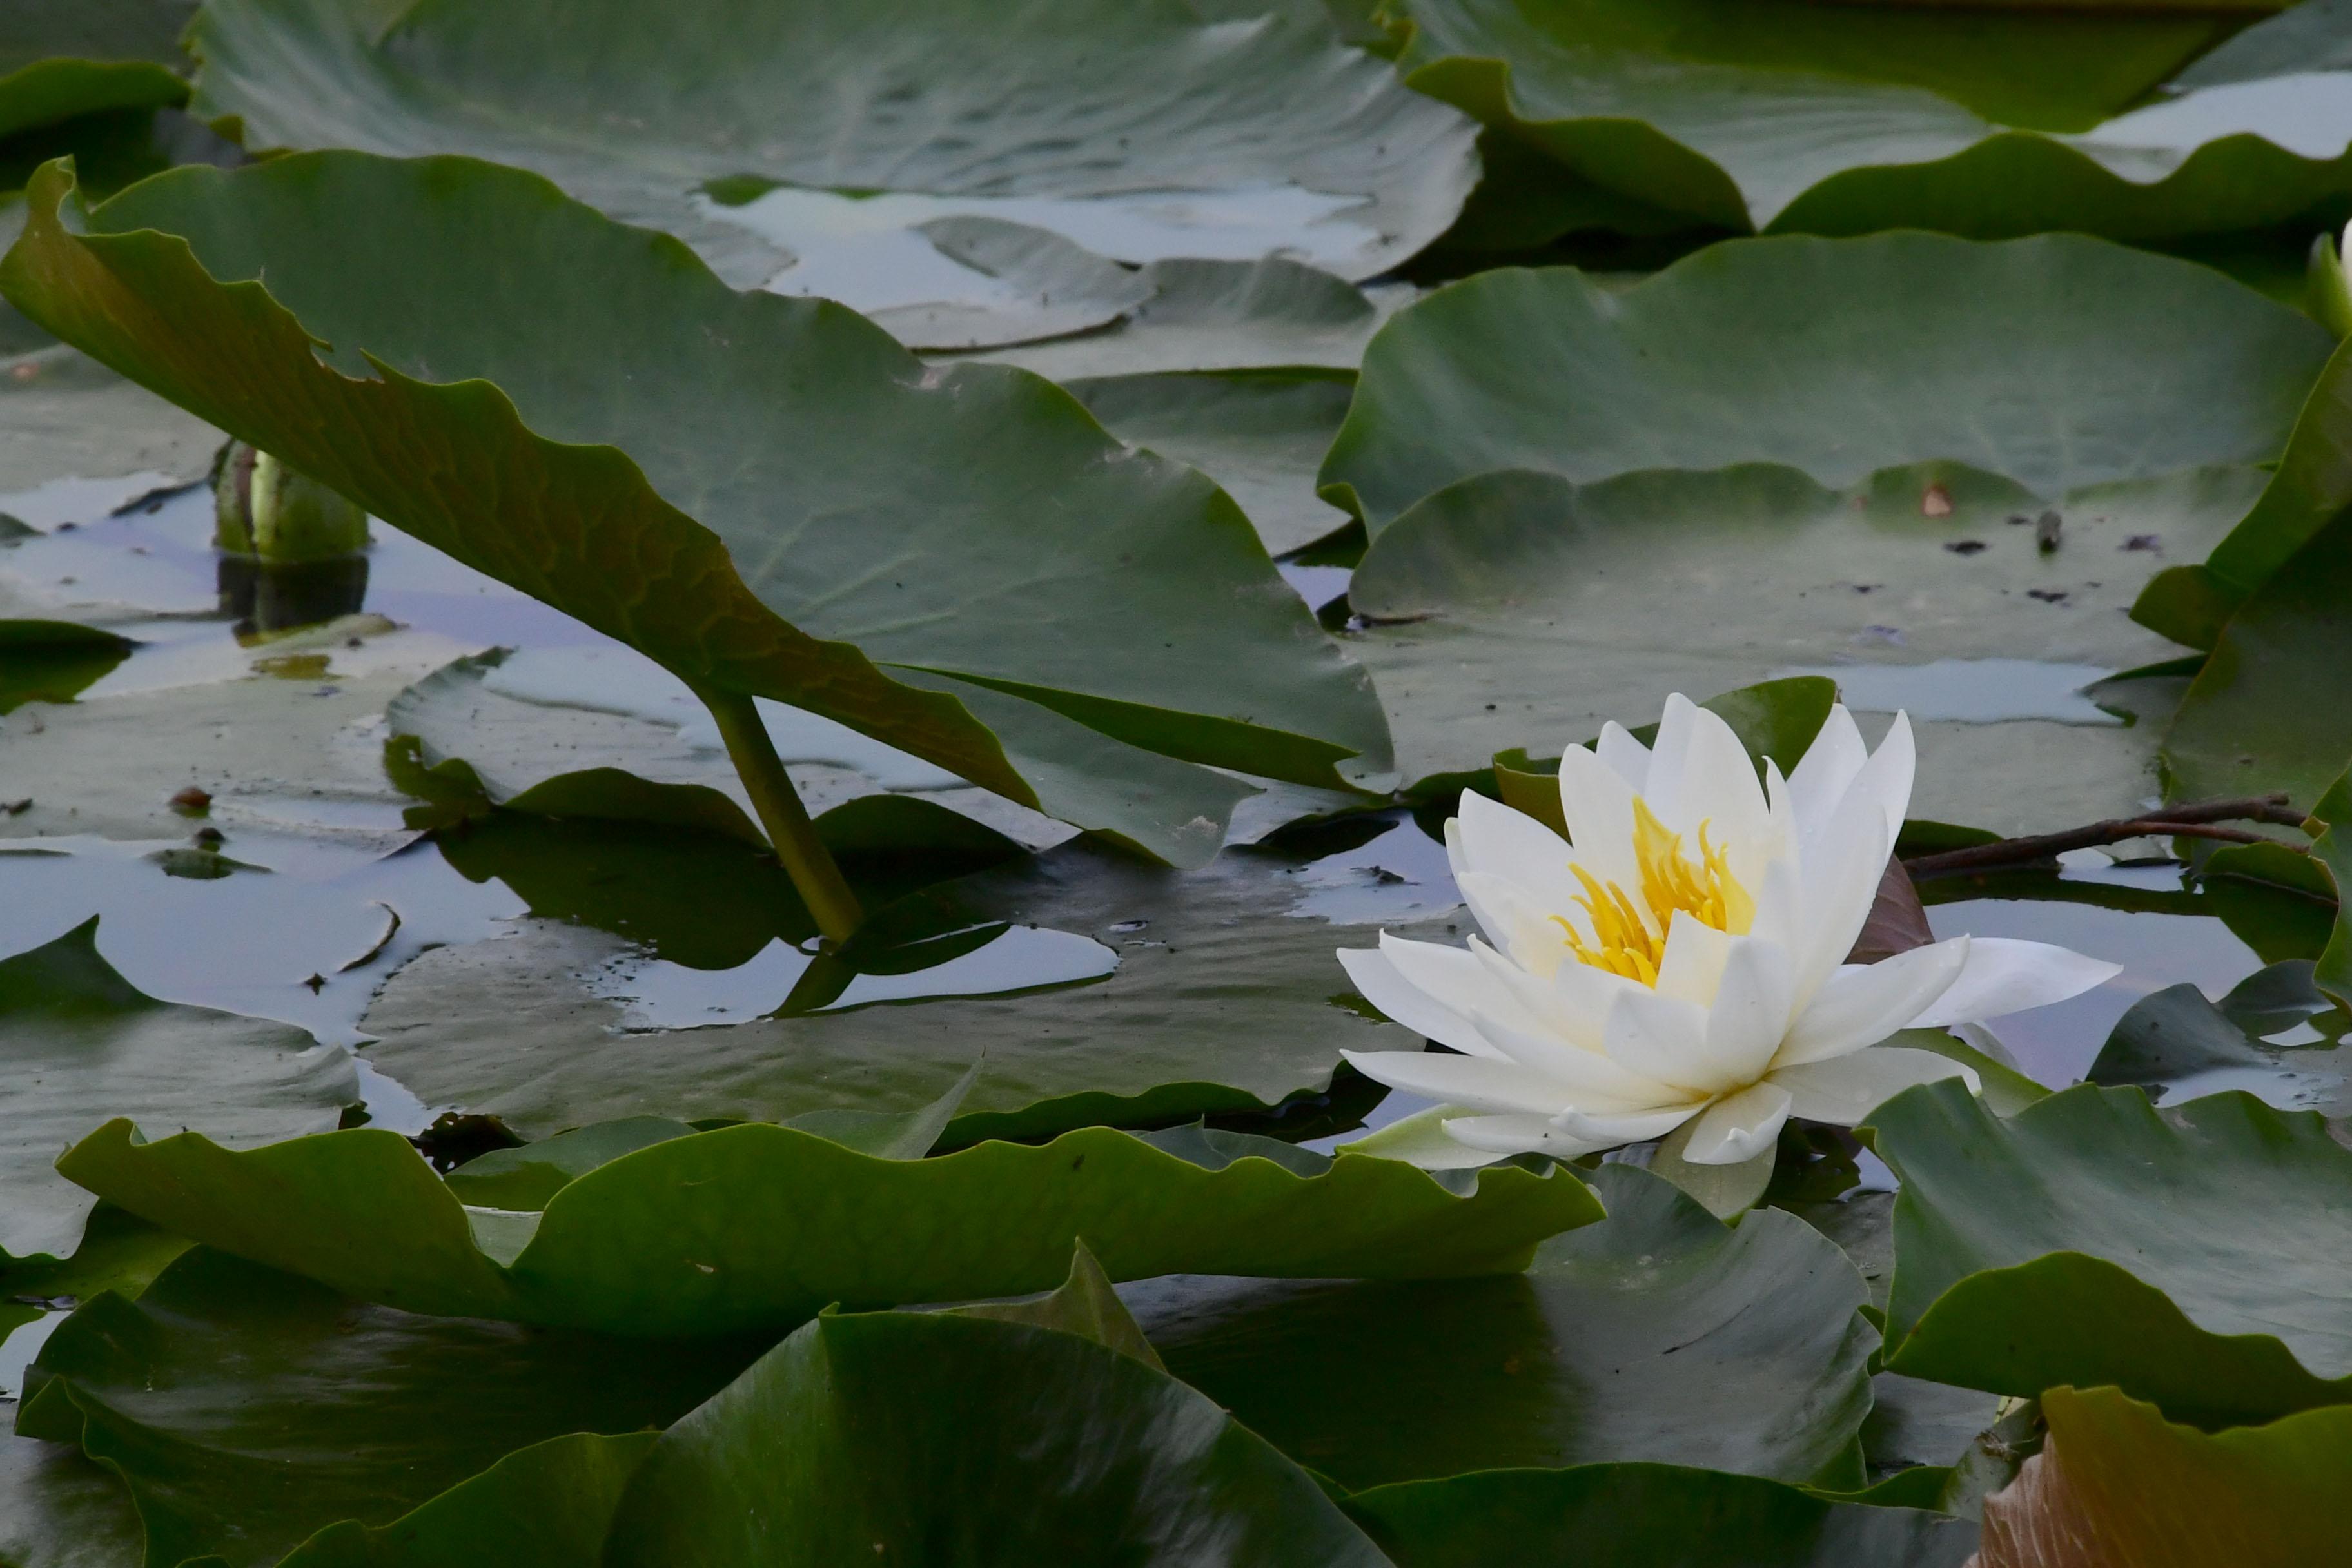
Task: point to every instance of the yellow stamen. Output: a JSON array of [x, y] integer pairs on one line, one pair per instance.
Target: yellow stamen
[[1629, 935]]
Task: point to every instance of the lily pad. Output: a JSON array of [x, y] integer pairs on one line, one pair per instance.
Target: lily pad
[[1221, 1001], [2269, 710], [83, 1044], [2057, 363], [2188, 1256], [1659, 1334], [803, 506], [1646, 1516], [1139, 131], [76, 437], [59, 59], [2117, 1479], [2179, 1045], [758, 1226], [1788, 117], [49, 661], [246, 1408]]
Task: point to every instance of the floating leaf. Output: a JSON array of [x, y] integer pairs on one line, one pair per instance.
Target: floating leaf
[[1788, 117], [1644, 1516], [759, 1227], [82, 1043], [809, 492], [2177, 1043], [58, 61], [50, 661], [1221, 1001], [1085, 1304], [1137, 131], [1658, 1334], [246, 1408], [2116, 1483], [2186, 1255]]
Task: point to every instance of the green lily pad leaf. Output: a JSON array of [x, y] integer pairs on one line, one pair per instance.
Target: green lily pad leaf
[[2312, 484], [1839, 359], [1787, 117], [2183, 1255], [1659, 582], [60, 1509], [1044, 287], [1085, 1304], [1221, 1000], [785, 521], [50, 661], [2267, 712], [2177, 1044], [760, 1227], [82, 1044], [1208, 316], [119, 1252], [1642, 1516], [1259, 436], [58, 61], [245, 1409], [1139, 131], [2116, 1482], [1658, 1334], [1007, 1443]]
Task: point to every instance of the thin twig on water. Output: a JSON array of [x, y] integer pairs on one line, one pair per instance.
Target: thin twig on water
[[2195, 820]]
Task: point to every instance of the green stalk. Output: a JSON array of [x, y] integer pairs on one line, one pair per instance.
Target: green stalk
[[806, 860]]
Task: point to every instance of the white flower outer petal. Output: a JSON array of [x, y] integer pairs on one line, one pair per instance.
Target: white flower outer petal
[[1457, 978], [1585, 1078], [1576, 1015], [1500, 1088], [1422, 1140], [1739, 1127], [1494, 1136], [1691, 968], [1514, 922], [1660, 1037], [1597, 804], [1861, 1004], [1626, 757], [2005, 975], [1750, 1015], [1609, 1131], [1501, 842], [1845, 1089], [1377, 979], [1824, 772], [1718, 788]]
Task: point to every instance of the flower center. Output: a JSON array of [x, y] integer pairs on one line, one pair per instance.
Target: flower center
[[1630, 934]]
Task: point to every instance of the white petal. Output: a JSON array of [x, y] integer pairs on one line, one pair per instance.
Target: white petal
[[1717, 785], [2004, 974], [1521, 927], [1501, 842], [1589, 992], [1473, 1081], [1377, 977], [1824, 771], [1586, 1078], [1839, 880], [1576, 1017], [1456, 977], [1627, 756], [1779, 893], [1691, 968], [1422, 1140], [1660, 1037], [1499, 1135], [1885, 781], [1598, 807], [1751, 1014], [1739, 1127], [1861, 1004], [1845, 1089], [1607, 1130], [1676, 725]]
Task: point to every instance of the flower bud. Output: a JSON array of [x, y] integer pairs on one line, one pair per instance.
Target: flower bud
[[268, 510]]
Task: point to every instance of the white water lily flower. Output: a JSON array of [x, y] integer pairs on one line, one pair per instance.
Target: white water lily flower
[[1681, 956]]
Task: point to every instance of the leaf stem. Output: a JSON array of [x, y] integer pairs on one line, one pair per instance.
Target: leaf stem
[[2187, 821], [806, 860]]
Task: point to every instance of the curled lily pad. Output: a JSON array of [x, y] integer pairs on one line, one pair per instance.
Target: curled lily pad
[[245, 1409], [764, 133], [2115, 1478], [2188, 1256], [2177, 1043], [1788, 117], [768, 553], [79, 1042], [49, 661], [1644, 1515], [1658, 1334], [759, 1227]]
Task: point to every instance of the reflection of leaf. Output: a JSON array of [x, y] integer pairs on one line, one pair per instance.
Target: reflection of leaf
[[1065, 104], [247, 1408], [80, 1043], [2195, 1257], [758, 1225], [816, 455], [1659, 1334], [1644, 1516], [1860, 118], [2117, 1486]]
